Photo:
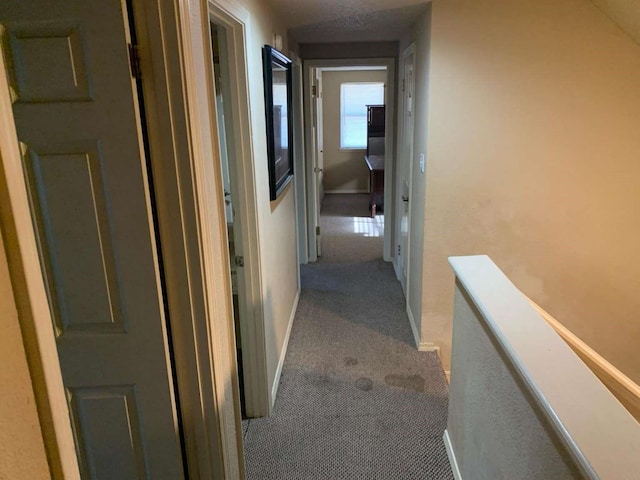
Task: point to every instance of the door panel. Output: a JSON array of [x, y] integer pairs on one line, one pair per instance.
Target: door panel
[[72, 182], [406, 166], [101, 444], [318, 161], [76, 112], [320, 126]]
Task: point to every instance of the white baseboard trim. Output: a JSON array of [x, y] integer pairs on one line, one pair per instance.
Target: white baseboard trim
[[352, 190], [283, 353], [429, 347], [421, 346], [452, 456], [396, 268], [414, 328]]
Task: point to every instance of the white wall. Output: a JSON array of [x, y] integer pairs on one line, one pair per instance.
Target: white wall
[[533, 159], [344, 170], [22, 453]]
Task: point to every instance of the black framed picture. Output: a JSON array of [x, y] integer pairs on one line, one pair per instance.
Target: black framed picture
[[277, 96]]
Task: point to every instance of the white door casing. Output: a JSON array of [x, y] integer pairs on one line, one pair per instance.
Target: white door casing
[[299, 157], [312, 124], [310, 67], [240, 163], [77, 115], [318, 155]]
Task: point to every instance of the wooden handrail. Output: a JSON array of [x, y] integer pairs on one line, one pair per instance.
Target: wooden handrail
[[623, 388]]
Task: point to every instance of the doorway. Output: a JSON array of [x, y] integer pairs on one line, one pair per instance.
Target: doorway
[[236, 163], [90, 200], [331, 156]]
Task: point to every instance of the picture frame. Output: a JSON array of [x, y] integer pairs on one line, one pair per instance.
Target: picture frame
[[279, 118]]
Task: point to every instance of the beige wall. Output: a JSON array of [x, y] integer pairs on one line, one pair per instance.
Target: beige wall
[[277, 220], [625, 13], [344, 170], [22, 454], [533, 160]]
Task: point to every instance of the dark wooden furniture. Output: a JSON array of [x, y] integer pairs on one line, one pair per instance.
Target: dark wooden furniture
[[375, 164], [375, 156]]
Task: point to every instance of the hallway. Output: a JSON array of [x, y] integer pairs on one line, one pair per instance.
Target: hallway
[[356, 399]]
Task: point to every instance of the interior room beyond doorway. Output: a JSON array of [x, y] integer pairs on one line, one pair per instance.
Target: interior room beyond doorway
[[345, 97]]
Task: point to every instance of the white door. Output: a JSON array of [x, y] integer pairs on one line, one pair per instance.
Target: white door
[[318, 167], [320, 133], [406, 162], [77, 115]]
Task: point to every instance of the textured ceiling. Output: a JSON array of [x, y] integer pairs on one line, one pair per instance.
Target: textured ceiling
[[318, 21]]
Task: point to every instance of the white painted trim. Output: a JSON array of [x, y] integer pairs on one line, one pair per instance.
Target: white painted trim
[[625, 389], [398, 271], [452, 456], [236, 20], [346, 191], [311, 188], [389, 178], [353, 69], [300, 160], [31, 297], [414, 327], [429, 347], [283, 352], [564, 390], [421, 346], [174, 37]]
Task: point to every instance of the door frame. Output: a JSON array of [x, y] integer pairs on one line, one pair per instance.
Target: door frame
[[235, 19], [300, 166], [390, 102], [172, 37]]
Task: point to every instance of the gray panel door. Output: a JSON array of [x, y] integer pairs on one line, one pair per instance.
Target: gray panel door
[[76, 111]]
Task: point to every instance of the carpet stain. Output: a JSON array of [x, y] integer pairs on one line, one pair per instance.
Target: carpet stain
[[409, 382], [350, 361], [364, 383], [318, 379]]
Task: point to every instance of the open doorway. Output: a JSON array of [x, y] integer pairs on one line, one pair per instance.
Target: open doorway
[[236, 164], [349, 130], [230, 188]]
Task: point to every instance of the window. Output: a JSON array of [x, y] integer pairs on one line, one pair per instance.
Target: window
[[354, 98]]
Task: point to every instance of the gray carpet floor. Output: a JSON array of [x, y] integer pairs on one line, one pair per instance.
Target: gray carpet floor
[[356, 399]]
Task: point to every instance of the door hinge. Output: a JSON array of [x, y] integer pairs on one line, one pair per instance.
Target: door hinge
[[317, 230], [398, 249], [239, 261], [314, 91], [134, 61], [403, 86]]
